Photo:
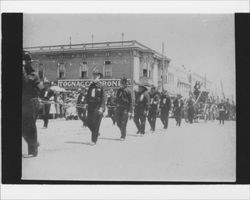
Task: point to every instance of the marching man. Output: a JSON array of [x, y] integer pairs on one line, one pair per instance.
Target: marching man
[[165, 106], [142, 103], [124, 107], [31, 86], [178, 105], [81, 110], [95, 100], [154, 102], [46, 95]]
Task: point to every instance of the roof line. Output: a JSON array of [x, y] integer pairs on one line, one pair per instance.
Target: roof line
[[127, 43]]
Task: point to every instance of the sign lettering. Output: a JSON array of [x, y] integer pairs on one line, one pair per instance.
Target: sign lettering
[[76, 83]]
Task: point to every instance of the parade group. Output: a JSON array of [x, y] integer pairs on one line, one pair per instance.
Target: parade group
[[45, 100]]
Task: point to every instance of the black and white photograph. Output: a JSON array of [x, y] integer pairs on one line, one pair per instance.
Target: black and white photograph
[[125, 99], [129, 97]]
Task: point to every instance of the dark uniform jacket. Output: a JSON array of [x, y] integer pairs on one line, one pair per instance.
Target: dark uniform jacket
[[124, 98], [111, 102], [165, 102], [221, 107], [95, 97], [154, 100], [178, 104], [190, 103], [46, 94], [30, 87], [81, 99], [142, 101]]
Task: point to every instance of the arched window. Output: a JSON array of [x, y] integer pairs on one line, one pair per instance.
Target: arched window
[[83, 70], [61, 72]]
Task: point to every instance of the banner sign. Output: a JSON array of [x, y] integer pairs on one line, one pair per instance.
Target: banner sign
[[77, 83]]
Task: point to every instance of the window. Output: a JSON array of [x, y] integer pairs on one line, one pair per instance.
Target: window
[[83, 70], [145, 73], [107, 69], [61, 70]]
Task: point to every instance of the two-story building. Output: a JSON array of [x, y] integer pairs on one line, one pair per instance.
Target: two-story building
[[65, 63]]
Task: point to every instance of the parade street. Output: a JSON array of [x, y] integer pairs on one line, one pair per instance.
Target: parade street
[[192, 152]]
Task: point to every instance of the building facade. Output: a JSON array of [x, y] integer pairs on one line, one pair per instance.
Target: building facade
[[115, 60], [71, 66]]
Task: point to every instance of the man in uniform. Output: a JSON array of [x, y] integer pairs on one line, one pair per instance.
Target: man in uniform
[[142, 103], [124, 107], [178, 105], [154, 102], [197, 88], [111, 106], [30, 105], [222, 111], [46, 95], [81, 108], [190, 109], [95, 100], [165, 106]]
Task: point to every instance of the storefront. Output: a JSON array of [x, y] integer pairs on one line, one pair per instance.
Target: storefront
[[74, 84]]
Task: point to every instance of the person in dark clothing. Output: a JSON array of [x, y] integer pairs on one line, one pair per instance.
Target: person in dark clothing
[[81, 108], [95, 100], [197, 88], [165, 106], [46, 95], [142, 103], [227, 111], [190, 110], [123, 107], [111, 104], [153, 109], [178, 105], [222, 111], [31, 87]]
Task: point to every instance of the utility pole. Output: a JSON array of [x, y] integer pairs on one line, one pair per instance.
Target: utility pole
[[70, 41], [205, 81], [222, 89], [162, 77], [92, 39], [122, 38]]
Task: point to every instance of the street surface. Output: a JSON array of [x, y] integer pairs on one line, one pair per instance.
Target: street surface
[[192, 152]]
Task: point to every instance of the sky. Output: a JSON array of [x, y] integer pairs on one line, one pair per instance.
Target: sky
[[203, 43]]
